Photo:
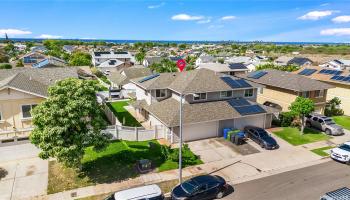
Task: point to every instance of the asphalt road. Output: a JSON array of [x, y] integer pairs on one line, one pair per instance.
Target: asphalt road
[[303, 184]]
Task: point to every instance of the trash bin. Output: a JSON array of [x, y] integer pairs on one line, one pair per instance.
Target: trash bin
[[226, 131]]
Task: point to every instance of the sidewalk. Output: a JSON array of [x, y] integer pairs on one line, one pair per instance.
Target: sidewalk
[[335, 140]]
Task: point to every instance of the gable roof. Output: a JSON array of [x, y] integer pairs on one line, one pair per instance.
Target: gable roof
[[34, 81], [287, 80], [111, 63], [154, 59], [218, 67], [299, 61], [130, 73]]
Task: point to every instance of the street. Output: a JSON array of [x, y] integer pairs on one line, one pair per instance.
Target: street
[[305, 184]]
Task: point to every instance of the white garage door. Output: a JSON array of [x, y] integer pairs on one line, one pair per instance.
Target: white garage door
[[257, 121], [200, 131]]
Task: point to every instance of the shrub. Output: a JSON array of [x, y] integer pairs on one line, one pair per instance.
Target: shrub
[[332, 108], [188, 158], [286, 119], [5, 66], [96, 72]]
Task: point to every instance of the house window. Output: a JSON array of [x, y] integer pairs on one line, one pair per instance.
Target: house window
[[160, 93], [199, 96], [26, 110], [225, 94], [319, 93], [305, 94], [249, 92]]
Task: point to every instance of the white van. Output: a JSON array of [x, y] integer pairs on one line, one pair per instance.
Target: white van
[[149, 192]]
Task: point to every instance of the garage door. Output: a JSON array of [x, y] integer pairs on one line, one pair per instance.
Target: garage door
[[200, 131], [257, 121]]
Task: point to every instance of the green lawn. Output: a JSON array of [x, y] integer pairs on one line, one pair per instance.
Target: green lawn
[[115, 163], [320, 151], [122, 114], [343, 121], [293, 136]]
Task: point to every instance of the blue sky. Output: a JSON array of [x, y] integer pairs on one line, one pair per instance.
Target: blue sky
[[243, 20]]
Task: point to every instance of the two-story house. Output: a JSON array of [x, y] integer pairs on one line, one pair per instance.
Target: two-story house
[[282, 88], [211, 102], [226, 68], [112, 60]]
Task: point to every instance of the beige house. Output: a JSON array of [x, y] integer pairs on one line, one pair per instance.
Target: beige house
[[282, 88], [21, 90], [341, 84]]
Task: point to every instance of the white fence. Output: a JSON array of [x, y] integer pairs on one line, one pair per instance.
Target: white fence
[[133, 133]]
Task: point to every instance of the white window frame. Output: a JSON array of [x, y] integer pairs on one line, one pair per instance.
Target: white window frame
[[321, 94], [246, 94], [31, 108], [199, 96], [225, 92], [165, 93]]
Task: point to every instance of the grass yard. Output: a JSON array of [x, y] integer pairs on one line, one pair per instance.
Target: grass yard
[[292, 135], [115, 163], [320, 151], [343, 121], [122, 114]]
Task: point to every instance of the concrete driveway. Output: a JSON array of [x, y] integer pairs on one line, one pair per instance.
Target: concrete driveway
[[26, 175]]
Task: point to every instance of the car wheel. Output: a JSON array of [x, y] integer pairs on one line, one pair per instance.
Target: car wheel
[[328, 132], [220, 195], [262, 145]]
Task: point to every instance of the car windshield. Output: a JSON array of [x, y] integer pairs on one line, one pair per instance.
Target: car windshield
[[262, 133], [345, 147], [329, 121], [189, 186]]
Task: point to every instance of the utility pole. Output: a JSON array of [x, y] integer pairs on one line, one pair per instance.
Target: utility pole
[[180, 142]]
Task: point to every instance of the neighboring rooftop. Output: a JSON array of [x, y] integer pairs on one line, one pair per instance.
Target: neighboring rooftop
[[331, 76], [286, 80], [123, 76], [218, 67]]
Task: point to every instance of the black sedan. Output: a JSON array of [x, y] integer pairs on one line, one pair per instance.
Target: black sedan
[[261, 137], [201, 188]]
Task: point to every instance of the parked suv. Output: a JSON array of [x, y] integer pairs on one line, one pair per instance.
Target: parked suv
[[324, 123]]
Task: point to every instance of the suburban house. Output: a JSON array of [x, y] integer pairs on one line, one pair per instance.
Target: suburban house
[[149, 60], [299, 61], [339, 79], [21, 89], [110, 58], [337, 64], [39, 60], [121, 79], [41, 49], [282, 88], [282, 60], [230, 69], [68, 48], [205, 59], [211, 102]]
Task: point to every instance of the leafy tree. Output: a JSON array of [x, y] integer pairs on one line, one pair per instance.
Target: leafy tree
[[221, 60], [19, 63], [302, 107], [182, 46], [332, 108], [140, 56], [5, 66], [289, 68], [3, 58], [69, 121], [28, 46], [164, 65], [80, 59]]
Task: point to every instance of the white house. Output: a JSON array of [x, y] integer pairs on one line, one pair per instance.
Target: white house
[[338, 64]]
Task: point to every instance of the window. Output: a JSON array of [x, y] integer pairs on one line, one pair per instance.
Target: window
[[319, 93], [200, 96], [160, 93], [305, 94], [249, 92], [225, 94], [1, 116], [26, 110]]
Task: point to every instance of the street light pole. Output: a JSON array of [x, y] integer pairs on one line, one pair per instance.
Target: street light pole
[[180, 142]]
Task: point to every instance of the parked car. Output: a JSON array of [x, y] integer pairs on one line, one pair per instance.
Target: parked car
[[324, 123], [261, 137], [339, 194], [342, 153], [200, 187], [150, 192]]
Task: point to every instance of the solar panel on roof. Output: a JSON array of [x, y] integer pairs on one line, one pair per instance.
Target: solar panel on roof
[[322, 71], [248, 110], [238, 102], [232, 83], [148, 78], [257, 74], [307, 72], [243, 83], [347, 79], [334, 77], [340, 78], [330, 72]]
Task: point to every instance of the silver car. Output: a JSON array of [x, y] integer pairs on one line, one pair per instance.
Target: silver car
[[324, 123]]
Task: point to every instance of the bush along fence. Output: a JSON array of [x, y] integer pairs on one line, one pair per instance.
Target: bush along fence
[[119, 132]]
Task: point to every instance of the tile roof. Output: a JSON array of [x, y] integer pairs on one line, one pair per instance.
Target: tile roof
[[218, 67], [35, 81], [288, 80], [195, 113]]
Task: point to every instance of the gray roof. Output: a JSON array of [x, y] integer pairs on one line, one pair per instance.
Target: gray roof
[[33, 80], [195, 113], [154, 59], [299, 61], [288, 80], [225, 67], [194, 81], [130, 73]]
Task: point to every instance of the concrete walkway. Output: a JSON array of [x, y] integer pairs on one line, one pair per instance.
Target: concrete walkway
[[26, 174]]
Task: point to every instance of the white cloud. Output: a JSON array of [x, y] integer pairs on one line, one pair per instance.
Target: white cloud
[[316, 15], [47, 36], [205, 21], [336, 31], [215, 26], [341, 19], [14, 32], [325, 4], [186, 17], [226, 18], [156, 6]]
